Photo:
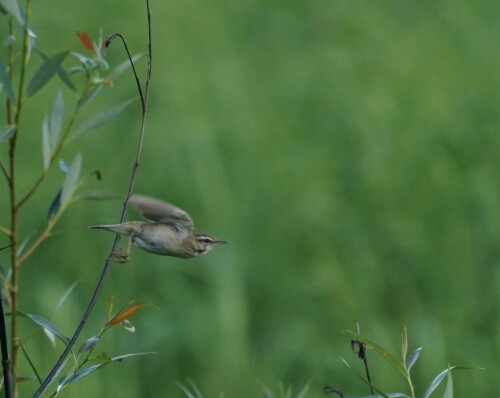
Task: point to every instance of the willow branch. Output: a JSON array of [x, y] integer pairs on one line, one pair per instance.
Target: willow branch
[[109, 260]]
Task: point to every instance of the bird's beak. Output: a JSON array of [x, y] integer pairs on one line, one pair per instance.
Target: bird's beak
[[220, 242]]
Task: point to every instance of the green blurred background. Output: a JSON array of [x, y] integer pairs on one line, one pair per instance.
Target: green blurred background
[[347, 150]]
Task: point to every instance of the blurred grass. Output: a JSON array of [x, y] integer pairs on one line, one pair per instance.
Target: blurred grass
[[348, 151]]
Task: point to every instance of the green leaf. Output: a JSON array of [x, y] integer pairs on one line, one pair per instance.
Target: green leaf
[[56, 120], [448, 393], [91, 369], [71, 180], [5, 82], [12, 8], [32, 366], [55, 205], [304, 391], [102, 118], [6, 132], [439, 378], [387, 356], [46, 71], [44, 323], [63, 75], [63, 298], [46, 150], [89, 344], [118, 70], [88, 97], [96, 195], [412, 358]]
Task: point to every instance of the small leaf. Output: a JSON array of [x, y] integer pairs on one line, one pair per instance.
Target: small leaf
[[404, 344], [439, 378], [412, 358], [91, 369], [46, 71], [12, 8], [304, 391], [56, 120], [118, 70], [46, 150], [102, 118], [71, 180], [89, 344], [96, 195], [63, 166], [89, 96], [22, 246], [51, 337], [124, 314], [61, 73], [63, 298], [44, 323], [448, 393], [128, 326], [387, 356], [55, 205], [6, 132], [85, 39], [5, 82]]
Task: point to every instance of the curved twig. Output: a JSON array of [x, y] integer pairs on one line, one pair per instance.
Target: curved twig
[[109, 260]]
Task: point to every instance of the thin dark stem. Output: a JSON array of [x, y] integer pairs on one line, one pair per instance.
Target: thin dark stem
[[109, 260], [6, 365], [362, 355]]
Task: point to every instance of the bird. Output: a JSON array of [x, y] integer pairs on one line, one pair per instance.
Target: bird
[[167, 231]]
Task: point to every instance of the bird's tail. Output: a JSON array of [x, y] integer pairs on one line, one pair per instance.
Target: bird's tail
[[122, 229]]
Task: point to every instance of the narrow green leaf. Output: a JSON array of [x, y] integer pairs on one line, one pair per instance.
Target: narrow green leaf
[[32, 366], [439, 378], [46, 71], [89, 344], [44, 323], [185, 390], [5, 82], [96, 195], [120, 358], [6, 132], [448, 393], [387, 356], [56, 120], [88, 97], [195, 388], [118, 70], [102, 118], [63, 166], [71, 180], [55, 205], [304, 391], [91, 369], [46, 149], [412, 358], [22, 246], [63, 75], [51, 336], [64, 297], [12, 8]]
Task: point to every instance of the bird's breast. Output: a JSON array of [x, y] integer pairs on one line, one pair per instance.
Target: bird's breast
[[159, 239]]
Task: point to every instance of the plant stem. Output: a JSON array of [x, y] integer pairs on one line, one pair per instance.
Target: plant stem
[[93, 300], [14, 210], [6, 365]]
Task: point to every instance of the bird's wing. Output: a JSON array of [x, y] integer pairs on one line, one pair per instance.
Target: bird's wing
[[162, 212]]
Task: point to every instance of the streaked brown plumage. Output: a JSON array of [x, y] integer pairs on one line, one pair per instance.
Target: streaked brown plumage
[[168, 231]]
